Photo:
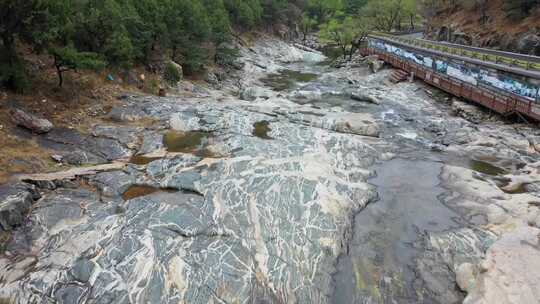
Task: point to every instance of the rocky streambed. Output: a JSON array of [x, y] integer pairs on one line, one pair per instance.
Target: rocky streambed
[[278, 187]]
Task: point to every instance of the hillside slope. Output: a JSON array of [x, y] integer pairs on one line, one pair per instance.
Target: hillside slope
[[487, 26]]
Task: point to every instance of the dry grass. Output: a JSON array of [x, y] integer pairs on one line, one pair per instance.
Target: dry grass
[[82, 102], [468, 20]]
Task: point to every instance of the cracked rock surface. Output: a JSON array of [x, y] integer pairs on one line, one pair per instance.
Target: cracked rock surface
[[296, 195]]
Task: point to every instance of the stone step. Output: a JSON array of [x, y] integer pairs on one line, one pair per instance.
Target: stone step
[[398, 76]]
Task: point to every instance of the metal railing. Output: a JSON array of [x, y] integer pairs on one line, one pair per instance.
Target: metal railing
[[501, 102], [497, 57]]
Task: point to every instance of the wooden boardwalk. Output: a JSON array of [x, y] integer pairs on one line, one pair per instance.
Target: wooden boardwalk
[[502, 102]]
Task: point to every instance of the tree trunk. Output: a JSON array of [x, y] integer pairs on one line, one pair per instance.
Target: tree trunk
[[59, 72]]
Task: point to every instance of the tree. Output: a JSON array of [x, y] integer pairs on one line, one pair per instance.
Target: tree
[[308, 24], [386, 14], [22, 20], [323, 10], [352, 7], [246, 13], [410, 11], [68, 58], [347, 33]]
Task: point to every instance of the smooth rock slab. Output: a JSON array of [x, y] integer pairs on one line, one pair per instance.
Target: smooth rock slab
[[509, 273]]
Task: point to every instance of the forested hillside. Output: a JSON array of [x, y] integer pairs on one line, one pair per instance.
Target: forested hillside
[[512, 25], [91, 34], [94, 34]]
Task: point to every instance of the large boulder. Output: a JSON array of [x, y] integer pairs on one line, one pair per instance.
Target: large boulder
[[359, 96], [357, 123], [468, 111], [375, 65], [30, 121], [15, 202]]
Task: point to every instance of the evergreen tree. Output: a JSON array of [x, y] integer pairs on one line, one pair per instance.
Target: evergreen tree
[[23, 20]]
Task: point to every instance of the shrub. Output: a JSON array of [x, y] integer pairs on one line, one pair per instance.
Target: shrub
[[13, 74], [171, 74]]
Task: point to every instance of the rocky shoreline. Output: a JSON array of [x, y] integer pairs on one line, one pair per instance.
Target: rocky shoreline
[[245, 193]]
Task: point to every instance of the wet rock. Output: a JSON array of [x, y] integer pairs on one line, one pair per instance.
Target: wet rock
[[359, 96], [60, 207], [15, 202], [160, 168], [442, 254], [468, 111], [152, 141], [80, 157], [113, 184], [30, 121], [107, 148], [128, 136], [78, 148], [82, 270], [253, 93], [70, 294]]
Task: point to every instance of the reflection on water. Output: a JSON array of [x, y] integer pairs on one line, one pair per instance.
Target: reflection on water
[[377, 266], [142, 160], [193, 142], [485, 168], [261, 129], [185, 142], [141, 190]]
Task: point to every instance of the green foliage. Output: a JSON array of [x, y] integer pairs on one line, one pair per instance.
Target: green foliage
[[69, 58], [246, 13], [348, 33], [82, 34], [12, 73], [322, 10], [171, 74], [226, 55], [18, 20]]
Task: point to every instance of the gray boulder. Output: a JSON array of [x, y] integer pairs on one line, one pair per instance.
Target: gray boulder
[[375, 65], [113, 184], [15, 202], [359, 96], [30, 121]]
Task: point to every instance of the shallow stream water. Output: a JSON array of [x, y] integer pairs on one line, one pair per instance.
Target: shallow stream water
[[378, 266]]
